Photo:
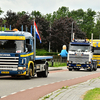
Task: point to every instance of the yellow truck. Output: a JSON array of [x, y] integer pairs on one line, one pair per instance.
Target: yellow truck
[[96, 53]]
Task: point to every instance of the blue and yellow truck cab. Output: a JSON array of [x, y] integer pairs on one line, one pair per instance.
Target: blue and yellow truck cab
[[17, 55], [96, 53]]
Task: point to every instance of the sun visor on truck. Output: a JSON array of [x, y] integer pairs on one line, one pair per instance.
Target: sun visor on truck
[[12, 38]]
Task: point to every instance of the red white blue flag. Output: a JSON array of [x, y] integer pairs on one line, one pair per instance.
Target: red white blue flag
[[36, 32]]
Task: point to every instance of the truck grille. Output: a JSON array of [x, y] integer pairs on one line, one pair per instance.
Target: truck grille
[[9, 63], [79, 59]]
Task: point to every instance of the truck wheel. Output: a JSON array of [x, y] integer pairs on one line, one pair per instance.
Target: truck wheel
[[45, 73], [30, 73], [91, 69], [95, 67], [39, 74], [70, 69]]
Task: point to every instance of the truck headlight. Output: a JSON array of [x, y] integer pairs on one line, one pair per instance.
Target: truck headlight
[[87, 62], [69, 64], [21, 68], [70, 61]]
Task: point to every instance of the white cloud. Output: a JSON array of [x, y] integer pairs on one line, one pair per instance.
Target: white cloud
[[48, 6]]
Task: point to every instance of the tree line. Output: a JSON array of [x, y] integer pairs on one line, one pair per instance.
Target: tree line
[[56, 28]]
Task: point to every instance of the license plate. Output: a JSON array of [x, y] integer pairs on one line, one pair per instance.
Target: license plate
[[4, 72], [78, 65]]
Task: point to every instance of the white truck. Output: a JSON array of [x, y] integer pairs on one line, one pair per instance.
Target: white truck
[[80, 55]]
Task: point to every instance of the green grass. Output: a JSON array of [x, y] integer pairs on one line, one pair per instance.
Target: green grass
[[93, 94], [48, 96], [42, 52], [64, 87], [57, 64]]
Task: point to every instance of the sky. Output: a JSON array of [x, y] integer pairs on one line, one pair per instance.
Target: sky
[[47, 6]]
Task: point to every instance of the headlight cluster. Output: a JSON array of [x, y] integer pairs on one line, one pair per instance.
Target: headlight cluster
[[87, 62], [69, 61], [21, 68]]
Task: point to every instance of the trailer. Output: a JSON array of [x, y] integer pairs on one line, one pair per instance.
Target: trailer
[[18, 55]]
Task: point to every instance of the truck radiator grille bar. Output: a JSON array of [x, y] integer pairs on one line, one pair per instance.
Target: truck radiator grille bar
[[9, 63], [78, 59]]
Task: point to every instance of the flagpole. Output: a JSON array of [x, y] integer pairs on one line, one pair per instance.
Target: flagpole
[[34, 40]]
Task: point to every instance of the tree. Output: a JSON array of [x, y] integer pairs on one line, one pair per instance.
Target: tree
[[11, 19], [1, 11], [21, 13], [88, 23], [61, 33], [96, 32], [76, 14], [48, 17], [43, 27], [61, 12], [25, 21], [35, 14]]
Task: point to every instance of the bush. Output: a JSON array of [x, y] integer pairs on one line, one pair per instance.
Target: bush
[[3, 29], [42, 52]]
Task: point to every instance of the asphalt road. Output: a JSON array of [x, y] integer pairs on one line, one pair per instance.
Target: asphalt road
[[10, 85]]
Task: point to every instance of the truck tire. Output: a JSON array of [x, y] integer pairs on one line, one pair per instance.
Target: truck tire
[[91, 68], [45, 73], [94, 66], [39, 74], [30, 73], [70, 69]]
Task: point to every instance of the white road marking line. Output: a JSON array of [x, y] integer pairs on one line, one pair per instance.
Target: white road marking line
[[39, 86], [31, 87], [22, 90], [52, 83], [45, 84], [14, 93], [63, 80], [4, 96]]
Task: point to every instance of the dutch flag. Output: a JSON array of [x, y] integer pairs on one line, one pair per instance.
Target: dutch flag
[[36, 32]]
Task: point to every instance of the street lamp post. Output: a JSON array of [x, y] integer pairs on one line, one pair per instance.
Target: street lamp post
[[72, 31], [72, 34], [50, 36]]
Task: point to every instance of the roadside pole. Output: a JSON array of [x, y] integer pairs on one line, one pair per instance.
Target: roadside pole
[[34, 39]]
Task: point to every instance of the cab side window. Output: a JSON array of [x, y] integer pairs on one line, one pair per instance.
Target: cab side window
[[27, 41], [28, 45]]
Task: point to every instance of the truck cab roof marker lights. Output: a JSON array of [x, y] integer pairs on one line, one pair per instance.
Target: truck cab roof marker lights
[[14, 30]]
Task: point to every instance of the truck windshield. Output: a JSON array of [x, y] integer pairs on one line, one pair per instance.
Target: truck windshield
[[11, 46], [96, 51], [81, 48]]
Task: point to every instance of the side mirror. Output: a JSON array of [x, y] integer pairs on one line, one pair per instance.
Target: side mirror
[[26, 50]]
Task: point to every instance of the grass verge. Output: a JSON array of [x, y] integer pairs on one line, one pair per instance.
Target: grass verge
[[93, 94], [57, 64]]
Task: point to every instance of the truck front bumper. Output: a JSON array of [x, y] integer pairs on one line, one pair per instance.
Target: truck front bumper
[[79, 66], [19, 72]]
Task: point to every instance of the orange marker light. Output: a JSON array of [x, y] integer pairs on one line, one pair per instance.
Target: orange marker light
[[15, 29]]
